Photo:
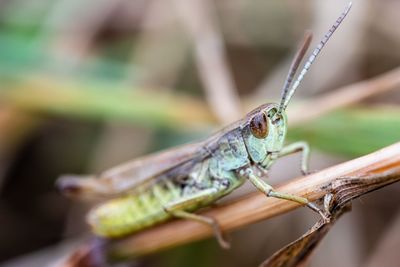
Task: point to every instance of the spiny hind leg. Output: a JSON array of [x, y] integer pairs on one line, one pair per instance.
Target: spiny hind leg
[[270, 191], [177, 209], [206, 220], [302, 147]]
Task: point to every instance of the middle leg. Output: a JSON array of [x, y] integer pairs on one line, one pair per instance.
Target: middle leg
[[302, 147]]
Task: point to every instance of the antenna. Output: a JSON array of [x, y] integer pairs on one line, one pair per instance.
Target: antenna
[[295, 65], [287, 94]]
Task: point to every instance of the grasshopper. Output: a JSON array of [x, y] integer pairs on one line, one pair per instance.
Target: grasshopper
[[179, 181]]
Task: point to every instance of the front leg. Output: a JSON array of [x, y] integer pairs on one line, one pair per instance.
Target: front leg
[[267, 189], [305, 154]]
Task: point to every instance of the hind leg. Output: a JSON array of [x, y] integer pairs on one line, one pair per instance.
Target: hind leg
[[177, 209]]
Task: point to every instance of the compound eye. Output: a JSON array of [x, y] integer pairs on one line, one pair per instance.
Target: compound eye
[[259, 126]]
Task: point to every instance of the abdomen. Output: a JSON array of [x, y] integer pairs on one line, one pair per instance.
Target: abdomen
[[135, 211], [145, 206]]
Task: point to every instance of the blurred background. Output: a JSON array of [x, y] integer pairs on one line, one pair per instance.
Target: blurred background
[[85, 85]]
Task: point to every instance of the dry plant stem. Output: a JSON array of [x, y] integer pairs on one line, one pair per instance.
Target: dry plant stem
[[256, 207], [345, 96], [359, 176], [198, 17], [76, 35], [298, 253], [159, 38]]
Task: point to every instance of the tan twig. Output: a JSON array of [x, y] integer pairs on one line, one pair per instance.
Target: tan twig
[[72, 37], [160, 49], [345, 96], [256, 207], [199, 19]]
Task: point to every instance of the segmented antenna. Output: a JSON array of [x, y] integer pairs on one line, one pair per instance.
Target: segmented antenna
[[295, 65], [287, 94]]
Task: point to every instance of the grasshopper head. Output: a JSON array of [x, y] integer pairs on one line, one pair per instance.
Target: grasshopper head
[[265, 128], [264, 131]]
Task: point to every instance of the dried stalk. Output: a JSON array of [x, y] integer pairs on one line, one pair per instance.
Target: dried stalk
[[72, 38], [345, 96], [198, 17], [357, 176], [343, 190]]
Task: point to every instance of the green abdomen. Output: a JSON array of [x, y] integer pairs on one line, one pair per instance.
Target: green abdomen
[[145, 206], [133, 212]]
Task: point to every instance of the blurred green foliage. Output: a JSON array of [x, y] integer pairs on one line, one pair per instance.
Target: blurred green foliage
[[351, 132], [99, 101]]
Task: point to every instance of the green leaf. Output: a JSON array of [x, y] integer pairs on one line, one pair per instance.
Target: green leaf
[[351, 132]]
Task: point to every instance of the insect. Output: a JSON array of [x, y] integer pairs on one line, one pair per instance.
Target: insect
[[179, 181]]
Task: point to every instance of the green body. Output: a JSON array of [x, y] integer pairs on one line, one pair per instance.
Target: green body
[[213, 168], [144, 206]]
